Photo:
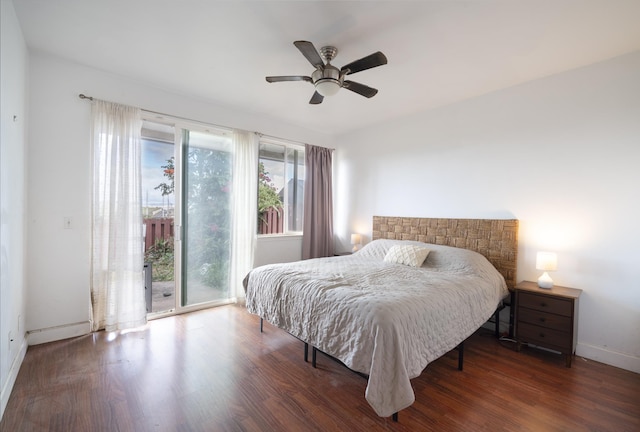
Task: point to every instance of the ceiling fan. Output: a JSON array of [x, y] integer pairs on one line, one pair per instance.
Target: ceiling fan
[[327, 78]]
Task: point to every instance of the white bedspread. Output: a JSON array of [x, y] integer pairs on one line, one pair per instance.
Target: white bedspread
[[381, 319]]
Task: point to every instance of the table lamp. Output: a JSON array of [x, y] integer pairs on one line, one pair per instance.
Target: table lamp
[[546, 261], [356, 240]]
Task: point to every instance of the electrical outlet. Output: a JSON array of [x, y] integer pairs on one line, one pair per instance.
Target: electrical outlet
[[10, 340], [67, 222]]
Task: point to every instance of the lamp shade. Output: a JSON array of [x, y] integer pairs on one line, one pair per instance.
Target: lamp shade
[[327, 86], [356, 239], [547, 261]]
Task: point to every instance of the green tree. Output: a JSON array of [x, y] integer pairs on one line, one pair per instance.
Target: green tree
[[267, 192], [169, 171], [160, 255]]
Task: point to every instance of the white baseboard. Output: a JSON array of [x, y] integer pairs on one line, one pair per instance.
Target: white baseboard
[[11, 378], [39, 336], [612, 358]]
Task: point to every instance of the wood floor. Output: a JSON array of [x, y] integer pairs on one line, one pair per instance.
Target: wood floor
[[214, 371]]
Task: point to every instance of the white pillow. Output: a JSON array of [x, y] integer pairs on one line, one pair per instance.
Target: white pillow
[[410, 255]]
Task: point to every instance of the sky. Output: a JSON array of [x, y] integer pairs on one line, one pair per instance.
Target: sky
[[154, 156], [275, 171]]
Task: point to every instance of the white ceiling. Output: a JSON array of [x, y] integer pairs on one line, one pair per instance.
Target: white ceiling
[[439, 52]]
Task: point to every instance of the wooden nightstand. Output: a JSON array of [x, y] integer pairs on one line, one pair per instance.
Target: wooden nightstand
[[547, 318]]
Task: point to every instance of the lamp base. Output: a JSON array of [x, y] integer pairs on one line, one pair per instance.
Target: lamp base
[[545, 281]]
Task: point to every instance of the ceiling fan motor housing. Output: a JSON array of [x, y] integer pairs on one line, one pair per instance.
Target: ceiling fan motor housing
[[328, 80]]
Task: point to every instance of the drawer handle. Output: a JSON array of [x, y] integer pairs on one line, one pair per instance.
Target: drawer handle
[[541, 335], [543, 304], [542, 320]]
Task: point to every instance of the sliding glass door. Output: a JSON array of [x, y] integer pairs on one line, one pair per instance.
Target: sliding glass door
[[207, 161], [187, 173], [158, 215]]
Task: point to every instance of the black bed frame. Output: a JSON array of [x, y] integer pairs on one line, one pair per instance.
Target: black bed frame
[[314, 356], [460, 348]]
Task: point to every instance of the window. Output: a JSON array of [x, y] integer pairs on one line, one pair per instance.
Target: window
[[280, 187]]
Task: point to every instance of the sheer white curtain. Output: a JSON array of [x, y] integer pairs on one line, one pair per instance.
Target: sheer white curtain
[[245, 208], [117, 278]]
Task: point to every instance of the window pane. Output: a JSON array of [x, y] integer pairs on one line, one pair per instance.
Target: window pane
[[158, 200], [280, 188], [271, 189], [295, 188], [207, 217]]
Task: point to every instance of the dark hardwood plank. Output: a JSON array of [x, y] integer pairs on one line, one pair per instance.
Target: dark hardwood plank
[[214, 370]]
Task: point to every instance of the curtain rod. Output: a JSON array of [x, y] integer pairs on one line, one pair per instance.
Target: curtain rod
[[91, 98], [261, 135]]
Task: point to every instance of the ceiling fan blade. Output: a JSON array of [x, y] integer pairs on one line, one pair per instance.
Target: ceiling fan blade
[[361, 89], [368, 62], [310, 52], [288, 78], [316, 99]]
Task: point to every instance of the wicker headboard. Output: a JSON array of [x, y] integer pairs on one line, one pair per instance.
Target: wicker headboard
[[496, 239]]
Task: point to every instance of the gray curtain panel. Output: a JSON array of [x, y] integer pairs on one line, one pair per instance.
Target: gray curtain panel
[[317, 239]]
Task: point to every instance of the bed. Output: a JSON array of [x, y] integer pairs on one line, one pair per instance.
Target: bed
[[381, 311]]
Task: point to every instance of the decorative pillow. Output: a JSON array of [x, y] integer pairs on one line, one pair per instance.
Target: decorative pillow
[[410, 255]]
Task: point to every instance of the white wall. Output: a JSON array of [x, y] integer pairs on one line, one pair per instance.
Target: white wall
[[13, 102], [60, 180], [560, 154], [277, 249]]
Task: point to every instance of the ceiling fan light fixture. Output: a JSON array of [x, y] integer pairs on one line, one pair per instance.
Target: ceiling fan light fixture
[[327, 86], [328, 79]]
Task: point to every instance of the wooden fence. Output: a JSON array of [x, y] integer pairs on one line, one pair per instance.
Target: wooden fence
[[157, 229], [271, 221]]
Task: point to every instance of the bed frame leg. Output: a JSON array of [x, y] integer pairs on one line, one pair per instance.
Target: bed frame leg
[[395, 417], [460, 355], [261, 325], [314, 353], [306, 352]]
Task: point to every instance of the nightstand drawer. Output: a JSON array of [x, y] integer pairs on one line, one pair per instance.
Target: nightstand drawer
[[544, 319], [546, 337], [546, 304]]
